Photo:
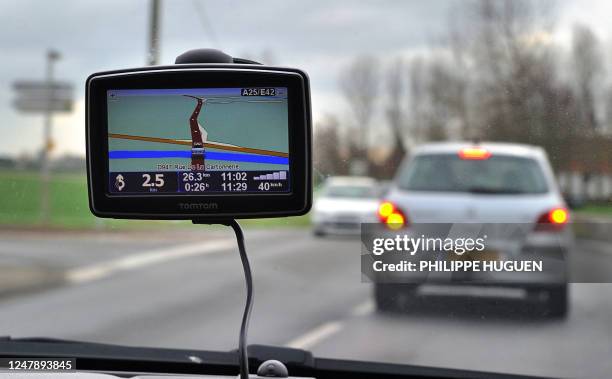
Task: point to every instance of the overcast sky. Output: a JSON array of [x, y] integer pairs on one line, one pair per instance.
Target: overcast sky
[[317, 36]]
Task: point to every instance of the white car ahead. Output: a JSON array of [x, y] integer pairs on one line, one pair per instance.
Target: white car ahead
[[344, 203], [480, 183]]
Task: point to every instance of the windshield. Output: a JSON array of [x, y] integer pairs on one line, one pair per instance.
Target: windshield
[[449, 173], [397, 89]]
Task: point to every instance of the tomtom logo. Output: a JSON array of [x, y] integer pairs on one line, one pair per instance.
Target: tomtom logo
[[197, 206]]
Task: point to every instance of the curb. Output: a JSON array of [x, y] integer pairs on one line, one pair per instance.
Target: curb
[[593, 228]]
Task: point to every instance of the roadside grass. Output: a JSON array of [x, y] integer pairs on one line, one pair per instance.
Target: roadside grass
[[604, 210], [20, 193]]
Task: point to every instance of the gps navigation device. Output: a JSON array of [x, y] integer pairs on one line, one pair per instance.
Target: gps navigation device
[[199, 141]]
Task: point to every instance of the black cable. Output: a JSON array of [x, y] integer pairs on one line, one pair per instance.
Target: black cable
[[243, 357]]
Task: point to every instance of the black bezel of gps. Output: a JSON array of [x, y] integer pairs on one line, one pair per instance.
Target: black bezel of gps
[[210, 206]]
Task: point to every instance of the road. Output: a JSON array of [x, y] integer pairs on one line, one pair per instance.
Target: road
[[146, 289], [197, 141]]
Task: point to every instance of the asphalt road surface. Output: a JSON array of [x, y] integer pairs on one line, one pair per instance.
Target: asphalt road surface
[[147, 289]]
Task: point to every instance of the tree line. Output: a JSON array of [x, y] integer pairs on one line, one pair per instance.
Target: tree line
[[498, 74]]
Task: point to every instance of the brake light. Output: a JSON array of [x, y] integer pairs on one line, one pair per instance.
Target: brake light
[[474, 153], [391, 215], [385, 209], [554, 220], [558, 216]]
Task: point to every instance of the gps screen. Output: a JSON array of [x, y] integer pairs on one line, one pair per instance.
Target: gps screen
[[198, 141]]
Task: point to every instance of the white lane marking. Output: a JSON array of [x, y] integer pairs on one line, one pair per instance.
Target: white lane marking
[[313, 337], [135, 261], [316, 335]]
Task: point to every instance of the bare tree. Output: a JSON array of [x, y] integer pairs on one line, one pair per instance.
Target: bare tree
[[463, 71], [327, 157], [587, 66], [446, 89], [515, 93], [437, 99], [608, 109], [359, 85], [508, 45], [395, 111], [417, 72]]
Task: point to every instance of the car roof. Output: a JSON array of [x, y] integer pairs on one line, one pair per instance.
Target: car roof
[[350, 181], [516, 149]]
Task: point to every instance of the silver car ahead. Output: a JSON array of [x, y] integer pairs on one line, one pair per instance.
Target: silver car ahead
[[481, 183]]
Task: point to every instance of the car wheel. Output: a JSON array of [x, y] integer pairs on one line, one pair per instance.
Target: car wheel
[[558, 301], [318, 233], [385, 299]]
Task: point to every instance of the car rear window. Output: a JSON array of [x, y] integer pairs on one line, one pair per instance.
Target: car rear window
[[351, 191], [497, 175]]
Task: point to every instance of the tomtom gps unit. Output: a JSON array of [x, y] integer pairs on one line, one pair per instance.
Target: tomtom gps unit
[[210, 141]]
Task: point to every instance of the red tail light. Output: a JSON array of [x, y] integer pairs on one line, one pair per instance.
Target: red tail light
[[553, 220], [391, 215], [474, 153]]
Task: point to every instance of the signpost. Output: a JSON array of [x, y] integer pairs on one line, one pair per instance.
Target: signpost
[[46, 97], [39, 96]]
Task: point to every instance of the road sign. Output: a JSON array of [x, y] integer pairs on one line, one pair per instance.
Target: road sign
[[38, 106], [47, 97], [39, 85], [41, 96]]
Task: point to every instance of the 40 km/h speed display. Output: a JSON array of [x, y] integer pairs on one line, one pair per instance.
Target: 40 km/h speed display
[[198, 141]]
